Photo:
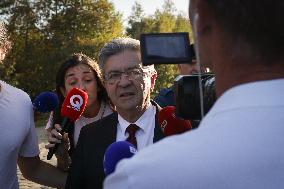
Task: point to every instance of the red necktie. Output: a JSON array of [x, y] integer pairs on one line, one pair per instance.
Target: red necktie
[[131, 130]]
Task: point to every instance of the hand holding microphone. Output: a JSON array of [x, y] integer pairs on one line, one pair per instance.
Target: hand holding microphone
[[54, 137], [72, 108], [170, 124]]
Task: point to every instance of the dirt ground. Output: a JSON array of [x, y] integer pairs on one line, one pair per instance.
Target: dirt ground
[[42, 140]]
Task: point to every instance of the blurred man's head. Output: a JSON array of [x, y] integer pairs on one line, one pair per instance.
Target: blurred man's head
[[193, 67], [241, 40], [260, 23], [4, 41]]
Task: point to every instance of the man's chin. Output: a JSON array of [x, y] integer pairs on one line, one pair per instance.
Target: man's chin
[[127, 106]]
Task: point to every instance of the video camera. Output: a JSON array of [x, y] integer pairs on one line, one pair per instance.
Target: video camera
[[174, 48]]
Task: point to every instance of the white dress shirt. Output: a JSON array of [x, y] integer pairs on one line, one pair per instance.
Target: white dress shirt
[[146, 123], [239, 144]]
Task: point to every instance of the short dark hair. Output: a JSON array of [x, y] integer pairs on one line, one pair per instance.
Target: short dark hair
[[258, 22]]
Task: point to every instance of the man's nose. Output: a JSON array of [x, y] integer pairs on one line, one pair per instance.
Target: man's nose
[[124, 80]]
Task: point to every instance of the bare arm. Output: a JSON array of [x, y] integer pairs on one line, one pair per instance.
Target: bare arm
[[41, 172]]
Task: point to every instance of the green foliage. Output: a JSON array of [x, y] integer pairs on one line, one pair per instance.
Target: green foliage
[[44, 33], [41, 120], [165, 20]]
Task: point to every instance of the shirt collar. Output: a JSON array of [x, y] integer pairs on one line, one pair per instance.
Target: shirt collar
[[254, 94], [143, 122]]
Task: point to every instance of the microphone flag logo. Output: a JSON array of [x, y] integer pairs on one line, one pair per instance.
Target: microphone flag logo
[[76, 101], [164, 125], [132, 150]]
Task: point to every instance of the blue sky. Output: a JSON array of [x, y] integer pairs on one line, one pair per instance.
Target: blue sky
[[149, 6]]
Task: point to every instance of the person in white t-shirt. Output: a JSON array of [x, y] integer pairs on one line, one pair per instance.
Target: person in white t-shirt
[[239, 143], [82, 72], [18, 139]]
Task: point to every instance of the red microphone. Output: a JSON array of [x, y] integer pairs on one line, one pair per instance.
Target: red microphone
[[170, 124], [72, 108]]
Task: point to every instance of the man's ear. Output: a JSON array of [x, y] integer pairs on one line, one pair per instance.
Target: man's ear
[[205, 17], [204, 22], [153, 80], [2, 54]]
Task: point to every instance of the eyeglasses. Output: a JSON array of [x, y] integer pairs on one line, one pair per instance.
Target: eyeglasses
[[131, 74]]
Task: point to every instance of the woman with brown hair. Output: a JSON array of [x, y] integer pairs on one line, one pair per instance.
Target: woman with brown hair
[[81, 72]]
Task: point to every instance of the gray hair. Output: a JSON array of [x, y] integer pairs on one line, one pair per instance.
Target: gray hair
[[5, 43], [116, 46]]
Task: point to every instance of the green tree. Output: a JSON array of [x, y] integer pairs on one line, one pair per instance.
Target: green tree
[[81, 26], [165, 20], [26, 38], [44, 33], [135, 21]]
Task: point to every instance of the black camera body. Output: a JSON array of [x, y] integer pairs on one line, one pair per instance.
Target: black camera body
[[187, 95], [174, 48]]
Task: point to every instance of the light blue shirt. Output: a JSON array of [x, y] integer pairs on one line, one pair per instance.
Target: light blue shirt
[[239, 144]]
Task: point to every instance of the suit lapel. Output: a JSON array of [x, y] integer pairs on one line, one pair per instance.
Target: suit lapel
[[158, 134], [110, 127]]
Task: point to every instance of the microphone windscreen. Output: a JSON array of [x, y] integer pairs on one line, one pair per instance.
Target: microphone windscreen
[[170, 124], [74, 104], [45, 102], [115, 152]]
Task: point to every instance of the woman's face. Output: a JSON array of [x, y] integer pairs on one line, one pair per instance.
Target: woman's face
[[82, 77]]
